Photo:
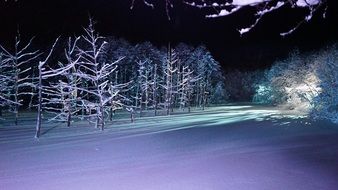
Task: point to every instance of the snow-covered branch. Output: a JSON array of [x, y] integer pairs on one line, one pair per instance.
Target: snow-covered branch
[[95, 73], [262, 7], [221, 8], [16, 69], [40, 88]]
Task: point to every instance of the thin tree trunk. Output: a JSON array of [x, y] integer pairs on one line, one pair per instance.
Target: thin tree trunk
[[155, 90], [111, 113], [146, 91], [203, 97], [38, 123], [131, 116], [102, 117], [16, 82], [69, 118], [189, 102], [97, 118], [16, 106], [30, 105]]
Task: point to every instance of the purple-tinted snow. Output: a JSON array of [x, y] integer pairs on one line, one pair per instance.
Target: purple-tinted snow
[[244, 148]]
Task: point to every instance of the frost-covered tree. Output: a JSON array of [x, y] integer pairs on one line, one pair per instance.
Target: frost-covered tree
[[60, 96], [291, 83], [169, 70], [137, 86], [19, 60], [95, 72], [72, 82], [4, 80], [185, 87], [118, 100], [155, 81], [57, 100], [145, 83], [305, 82], [6, 76], [209, 72], [325, 105], [144, 86], [41, 88]]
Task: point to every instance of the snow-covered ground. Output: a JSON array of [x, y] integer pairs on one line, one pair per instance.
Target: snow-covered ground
[[222, 148]]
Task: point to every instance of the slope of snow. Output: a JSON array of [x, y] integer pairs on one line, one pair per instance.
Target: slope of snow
[[231, 147]]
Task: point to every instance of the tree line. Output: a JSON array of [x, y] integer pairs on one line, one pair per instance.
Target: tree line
[[91, 76]]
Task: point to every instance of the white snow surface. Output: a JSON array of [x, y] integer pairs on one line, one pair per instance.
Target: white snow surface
[[223, 148]]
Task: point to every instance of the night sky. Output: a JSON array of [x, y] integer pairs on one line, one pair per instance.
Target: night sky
[[258, 49]]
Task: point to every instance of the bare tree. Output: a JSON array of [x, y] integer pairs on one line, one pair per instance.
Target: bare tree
[[96, 73], [169, 71], [19, 60], [43, 74], [145, 83], [185, 87], [72, 81], [4, 80], [61, 97], [155, 87]]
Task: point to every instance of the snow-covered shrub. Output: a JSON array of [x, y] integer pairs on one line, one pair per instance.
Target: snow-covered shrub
[[307, 83], [291, 83], [263, 94], [325, 105]]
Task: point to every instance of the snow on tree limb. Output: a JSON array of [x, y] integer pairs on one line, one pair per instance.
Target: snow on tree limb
[[42, 89], [15, 71], [221, 8], [262, 7], [42, 63], [95, 72]]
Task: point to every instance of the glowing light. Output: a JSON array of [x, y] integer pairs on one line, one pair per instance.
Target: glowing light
[[301, 95]]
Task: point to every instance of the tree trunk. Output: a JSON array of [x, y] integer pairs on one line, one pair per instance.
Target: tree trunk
[[111, 114], [16, 106], [189, 103], [141, 107], [132, 116], [30, 105], [83, 111], [38, 123], [102, 117], [203, 97], [69, 118], [155, 90]]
